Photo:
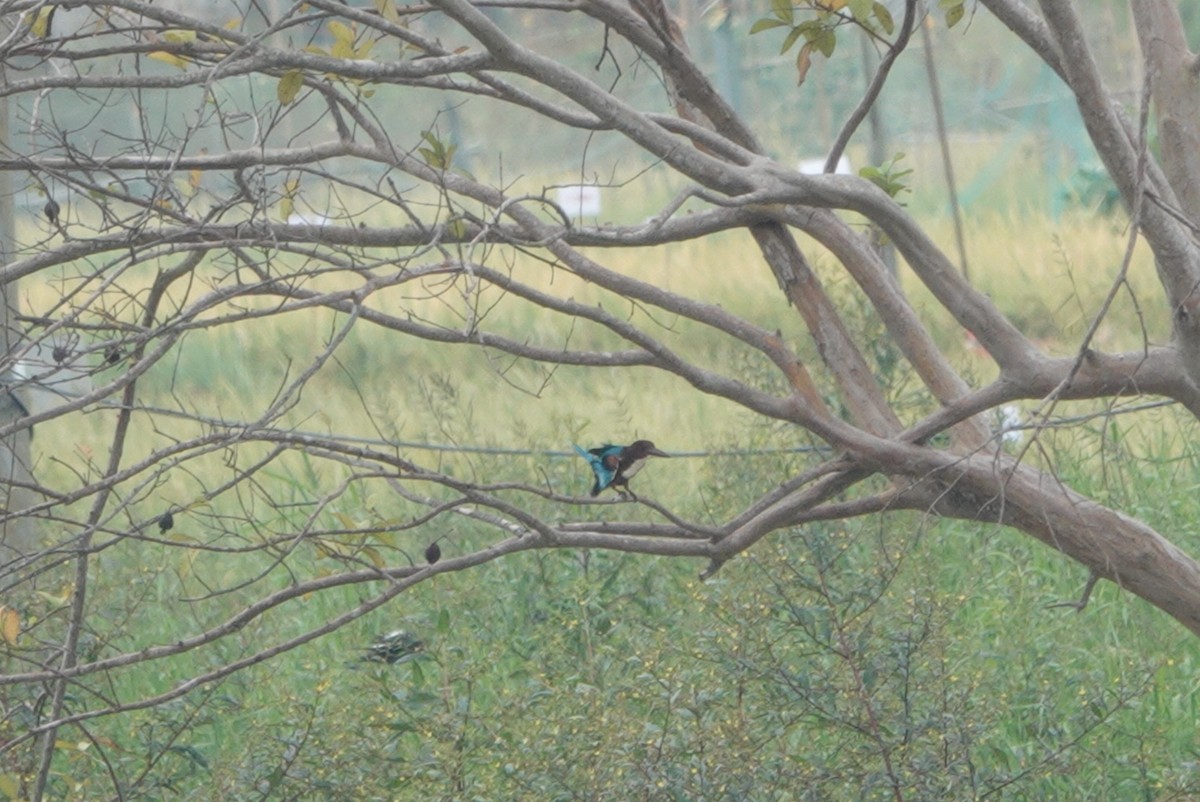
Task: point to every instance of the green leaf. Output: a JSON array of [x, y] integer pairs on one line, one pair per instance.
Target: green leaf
[[443, 622], [438, 154], [790, 40], [861, 9], [190, 753], [401, 726], [885, 18], [783, 10], [765, 24], [374, 556], [289, 86], [825, 42], [416, 673], [887, 177], [954, 10]]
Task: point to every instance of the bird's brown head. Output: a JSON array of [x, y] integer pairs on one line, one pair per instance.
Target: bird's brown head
[[645, 448]]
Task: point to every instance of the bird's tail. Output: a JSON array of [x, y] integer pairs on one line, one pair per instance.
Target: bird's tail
[[597, 467]]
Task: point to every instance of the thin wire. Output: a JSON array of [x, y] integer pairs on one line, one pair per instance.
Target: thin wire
[[525, 452]]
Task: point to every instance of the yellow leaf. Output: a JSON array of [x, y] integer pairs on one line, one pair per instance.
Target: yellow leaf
[[195, 177], [180, 37], [362, 51], [170, 58], [289, 86], [343, 39], [387, 9], [803, 62], [41, 23], [10, 625], [287, 204], [233, 24], [341, 32]]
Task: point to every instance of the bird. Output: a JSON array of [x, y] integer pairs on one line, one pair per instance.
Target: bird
[[614, 466], [166, 521]]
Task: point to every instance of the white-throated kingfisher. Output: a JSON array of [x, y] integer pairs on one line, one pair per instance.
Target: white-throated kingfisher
[[614, 466]]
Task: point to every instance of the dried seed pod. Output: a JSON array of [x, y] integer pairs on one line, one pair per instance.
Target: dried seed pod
[[433, 552], [166, 522]]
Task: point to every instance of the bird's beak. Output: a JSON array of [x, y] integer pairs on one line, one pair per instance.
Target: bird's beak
[[655, 452]]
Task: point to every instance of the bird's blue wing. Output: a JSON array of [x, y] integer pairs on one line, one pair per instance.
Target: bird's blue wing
[[600, 467]]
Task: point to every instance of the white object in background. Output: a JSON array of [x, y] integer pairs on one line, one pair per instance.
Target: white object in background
[[817, 166], [1011, 423], [315, 219], [579, 200]]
